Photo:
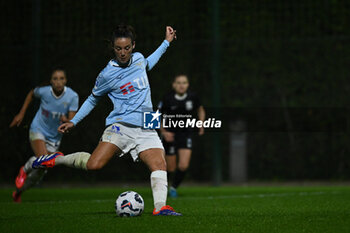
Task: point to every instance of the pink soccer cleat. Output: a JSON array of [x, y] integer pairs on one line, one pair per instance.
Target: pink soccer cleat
[[21, 178]]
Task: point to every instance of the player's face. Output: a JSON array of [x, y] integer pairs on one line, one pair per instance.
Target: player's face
[[123, 48], [180, 85], [58, 80]]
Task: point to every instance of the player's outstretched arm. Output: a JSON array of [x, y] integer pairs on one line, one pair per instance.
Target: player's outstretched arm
[[170, 35], [17, 120], [84, 110]]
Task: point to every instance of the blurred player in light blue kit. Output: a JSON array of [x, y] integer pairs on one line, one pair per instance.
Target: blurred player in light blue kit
[[125, 81], [58, 104]]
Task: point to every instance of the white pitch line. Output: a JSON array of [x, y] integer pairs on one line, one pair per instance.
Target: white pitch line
[[245, 196], [265, 195]]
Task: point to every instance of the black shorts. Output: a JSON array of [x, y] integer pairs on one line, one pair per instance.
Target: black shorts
[[181, 141]]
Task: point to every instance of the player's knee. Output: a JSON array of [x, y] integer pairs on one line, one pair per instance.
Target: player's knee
[[183, 166], [159, 165], [94, 165], [162, 165]]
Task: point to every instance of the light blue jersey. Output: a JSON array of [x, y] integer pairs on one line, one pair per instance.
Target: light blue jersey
[[52, 107], [127, 87]]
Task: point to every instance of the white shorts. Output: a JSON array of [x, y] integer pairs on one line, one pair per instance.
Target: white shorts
[[50, 146], [131, 139]]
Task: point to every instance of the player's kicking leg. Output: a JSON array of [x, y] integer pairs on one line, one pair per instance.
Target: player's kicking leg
[[75, 160], [80, 160], [154, 159]]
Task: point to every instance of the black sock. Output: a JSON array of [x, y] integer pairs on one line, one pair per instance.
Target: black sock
[[170, 176], [179, 176]]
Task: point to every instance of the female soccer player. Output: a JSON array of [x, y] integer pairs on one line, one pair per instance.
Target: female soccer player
[[58, 103], [125, 81], [179, 140]]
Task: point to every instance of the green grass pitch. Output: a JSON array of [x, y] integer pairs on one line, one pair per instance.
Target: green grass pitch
[[206, 209]]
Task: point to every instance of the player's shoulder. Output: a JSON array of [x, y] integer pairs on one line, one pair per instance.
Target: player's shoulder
[[138, 59], [107, 71], [137, 56], [44, 88], [71, 92], [41, 90], [192, 94]]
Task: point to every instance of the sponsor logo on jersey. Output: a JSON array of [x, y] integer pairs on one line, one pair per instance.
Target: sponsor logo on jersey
[[189, 105], [53, 115], [127, 88], [140, 65]]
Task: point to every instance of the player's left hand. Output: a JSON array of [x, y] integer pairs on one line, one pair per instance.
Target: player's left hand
[[170, 34], [17, 120]]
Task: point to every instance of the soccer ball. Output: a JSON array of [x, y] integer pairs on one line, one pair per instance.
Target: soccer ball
[[129, 204]]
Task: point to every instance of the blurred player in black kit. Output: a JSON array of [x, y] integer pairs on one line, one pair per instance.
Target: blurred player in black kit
[[179, 105]]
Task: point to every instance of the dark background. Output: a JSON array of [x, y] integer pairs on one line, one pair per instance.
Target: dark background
[[280, 66]]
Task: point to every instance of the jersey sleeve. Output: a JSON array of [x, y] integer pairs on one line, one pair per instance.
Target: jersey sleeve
[[101, 87], [74, 103], [85, 109], [155, 56], [38, 91]]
